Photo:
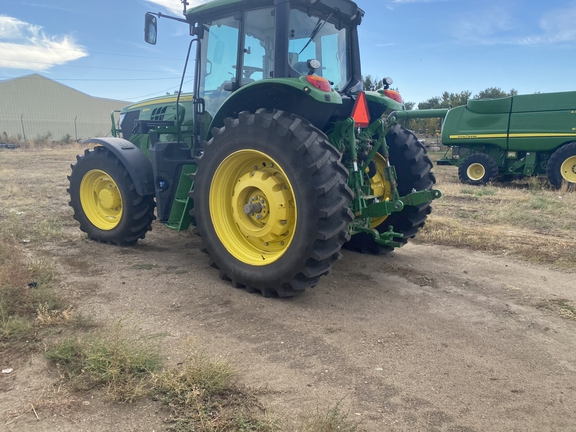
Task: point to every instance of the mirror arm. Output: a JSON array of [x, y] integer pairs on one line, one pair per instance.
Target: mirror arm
[[161, 15]]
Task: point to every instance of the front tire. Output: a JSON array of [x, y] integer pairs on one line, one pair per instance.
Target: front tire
[[413, 170], [271, 202], [562, 166], [105, 202], [477, 169]]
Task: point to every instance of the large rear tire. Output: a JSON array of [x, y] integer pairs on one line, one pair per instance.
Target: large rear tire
[[477, 169], [414, 171], [562, 166], [271, 202], [105, 201]]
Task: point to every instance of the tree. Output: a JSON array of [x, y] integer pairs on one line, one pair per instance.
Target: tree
[[372, 83], [495, 92]]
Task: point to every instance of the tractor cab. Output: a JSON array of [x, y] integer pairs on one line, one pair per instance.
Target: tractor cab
[[272, 54]]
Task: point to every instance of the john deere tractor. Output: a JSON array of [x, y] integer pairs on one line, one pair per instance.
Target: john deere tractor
[[277, 156]]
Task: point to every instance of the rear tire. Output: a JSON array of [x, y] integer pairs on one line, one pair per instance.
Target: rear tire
[[562, 166], [271, 202], [105, 201], [413, 170], [477, 169]]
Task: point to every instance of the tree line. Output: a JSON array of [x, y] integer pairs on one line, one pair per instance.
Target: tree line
[[446, 100]]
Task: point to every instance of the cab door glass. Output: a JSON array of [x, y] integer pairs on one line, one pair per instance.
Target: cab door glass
[[219, 55], [258, 55]]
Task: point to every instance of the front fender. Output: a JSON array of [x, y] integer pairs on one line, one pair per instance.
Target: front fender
[[136, 163], [293, 95]]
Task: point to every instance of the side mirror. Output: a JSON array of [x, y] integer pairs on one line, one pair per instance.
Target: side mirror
[[150, 28]]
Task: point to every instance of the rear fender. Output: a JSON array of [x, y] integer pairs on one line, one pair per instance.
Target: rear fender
[[380, 104], [136, 163], [295, 96]]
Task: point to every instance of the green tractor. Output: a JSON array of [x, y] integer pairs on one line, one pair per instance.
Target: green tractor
[[512, 137], [277, 156]]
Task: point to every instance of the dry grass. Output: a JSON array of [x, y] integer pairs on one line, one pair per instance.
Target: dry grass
[[523, 219], [201, 396]]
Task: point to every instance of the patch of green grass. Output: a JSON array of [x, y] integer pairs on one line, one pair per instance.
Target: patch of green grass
[[27, 299], [560, 306], [485, 191], [202, 397], [115, 359], [143, 266], [331, 421]]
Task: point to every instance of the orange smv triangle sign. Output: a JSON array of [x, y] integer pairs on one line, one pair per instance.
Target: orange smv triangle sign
[[360, 112]]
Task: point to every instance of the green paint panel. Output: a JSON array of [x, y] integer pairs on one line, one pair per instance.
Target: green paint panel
[[463, 127], [490, 106], [544, 102], [558, 125]]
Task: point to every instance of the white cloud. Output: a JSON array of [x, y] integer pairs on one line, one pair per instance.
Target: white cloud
[[557, 26], [26, 46], [503, 28], [175, 6]]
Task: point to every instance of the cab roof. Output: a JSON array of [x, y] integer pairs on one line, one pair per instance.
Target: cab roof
[[216, 8]]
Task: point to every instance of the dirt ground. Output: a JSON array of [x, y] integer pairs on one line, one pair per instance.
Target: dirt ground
[[426, 338]]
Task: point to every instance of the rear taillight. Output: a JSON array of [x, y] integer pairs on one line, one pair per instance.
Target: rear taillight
[[392, 94], [318, 82]]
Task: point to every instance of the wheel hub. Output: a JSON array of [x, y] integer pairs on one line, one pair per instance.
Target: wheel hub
[[267, 205], [109, 198], [476, 171], [568, 169]]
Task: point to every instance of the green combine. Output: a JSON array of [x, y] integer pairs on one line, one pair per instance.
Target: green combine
[[512, 137], [276, 156]]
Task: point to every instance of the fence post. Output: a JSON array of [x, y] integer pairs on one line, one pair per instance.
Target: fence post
[[22, 122]]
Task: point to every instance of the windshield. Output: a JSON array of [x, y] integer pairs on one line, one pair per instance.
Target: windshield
[[328, 46]]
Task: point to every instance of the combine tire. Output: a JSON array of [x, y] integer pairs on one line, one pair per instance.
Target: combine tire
[[477, 169], [562, 166], [105, 202], [271, 201], [413, 169]]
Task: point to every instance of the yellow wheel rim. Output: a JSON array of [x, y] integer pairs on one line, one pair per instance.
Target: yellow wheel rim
[[253, 208], [568, 169], [101, 200], [380, 186], [476, 171]]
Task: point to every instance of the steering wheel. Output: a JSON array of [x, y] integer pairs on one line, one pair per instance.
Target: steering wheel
[[247, 71]]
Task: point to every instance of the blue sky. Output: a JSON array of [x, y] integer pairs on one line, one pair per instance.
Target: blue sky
[[426, 46]]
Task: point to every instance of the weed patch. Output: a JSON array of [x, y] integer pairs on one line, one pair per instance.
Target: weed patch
[[27, 299], [115, 359], [202, 397], [332, 421], [561, 306]]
